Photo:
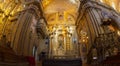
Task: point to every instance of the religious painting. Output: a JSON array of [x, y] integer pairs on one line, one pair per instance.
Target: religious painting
[[60, 41]]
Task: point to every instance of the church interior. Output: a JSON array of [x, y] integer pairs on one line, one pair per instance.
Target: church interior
[[59, 32]]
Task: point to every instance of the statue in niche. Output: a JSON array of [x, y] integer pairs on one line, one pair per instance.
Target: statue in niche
[[60, 41]]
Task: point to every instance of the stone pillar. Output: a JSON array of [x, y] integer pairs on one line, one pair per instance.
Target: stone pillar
[[25, 26], [94, 18]]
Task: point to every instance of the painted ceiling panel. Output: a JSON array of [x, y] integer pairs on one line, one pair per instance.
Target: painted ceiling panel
[[61, 9]]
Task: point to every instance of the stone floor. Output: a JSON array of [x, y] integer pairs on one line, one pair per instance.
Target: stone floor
[[40, 64], [86, 65]]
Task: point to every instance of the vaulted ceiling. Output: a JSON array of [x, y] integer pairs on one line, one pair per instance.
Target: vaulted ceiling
[[65, 11], [60, 11], [113, 3]]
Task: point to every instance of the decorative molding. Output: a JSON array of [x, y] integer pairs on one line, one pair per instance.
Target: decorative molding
[[92, 4]]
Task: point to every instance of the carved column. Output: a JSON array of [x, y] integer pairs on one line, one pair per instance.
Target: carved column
[[96, 18], [24, 28]]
